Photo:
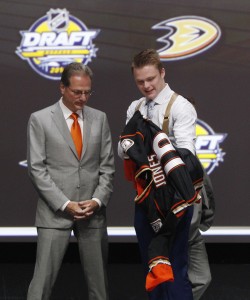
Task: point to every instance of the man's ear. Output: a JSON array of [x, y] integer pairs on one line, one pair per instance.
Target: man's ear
[[163, 73], [62, 88]]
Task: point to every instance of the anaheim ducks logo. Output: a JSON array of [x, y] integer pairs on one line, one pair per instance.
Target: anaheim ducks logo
[[208, 146], [186, 36], [56, 40]]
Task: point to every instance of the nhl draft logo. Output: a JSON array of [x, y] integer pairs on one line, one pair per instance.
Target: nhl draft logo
[[208, 146], [56, 40], [186, 36]]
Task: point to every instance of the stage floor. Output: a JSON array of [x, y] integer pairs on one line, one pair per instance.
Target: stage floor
[[230, 282], [230, 268]]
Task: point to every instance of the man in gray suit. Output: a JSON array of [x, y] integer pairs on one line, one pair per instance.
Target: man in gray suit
[[74, 183]]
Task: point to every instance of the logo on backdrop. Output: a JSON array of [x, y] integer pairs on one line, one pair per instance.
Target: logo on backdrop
[[186, 36], [208, 146], [56, 40]]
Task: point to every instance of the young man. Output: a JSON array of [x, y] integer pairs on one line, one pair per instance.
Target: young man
[[70, 162], [149, 75]]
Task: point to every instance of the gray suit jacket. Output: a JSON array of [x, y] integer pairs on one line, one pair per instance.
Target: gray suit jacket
[[204, 211], [57, 173]]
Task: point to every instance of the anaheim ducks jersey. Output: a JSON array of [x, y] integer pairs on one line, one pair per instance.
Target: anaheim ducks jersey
[[167, 181]]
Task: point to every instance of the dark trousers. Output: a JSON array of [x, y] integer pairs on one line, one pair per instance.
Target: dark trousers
[[181, 288]]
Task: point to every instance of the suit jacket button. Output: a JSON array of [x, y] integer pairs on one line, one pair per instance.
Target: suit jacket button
[[78, 186]]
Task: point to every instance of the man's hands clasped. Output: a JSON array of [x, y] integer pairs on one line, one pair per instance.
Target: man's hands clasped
[[82, 209]]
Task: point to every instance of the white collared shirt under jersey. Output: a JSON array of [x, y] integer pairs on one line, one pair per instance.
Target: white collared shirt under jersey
[[67, 113], [182, 118]]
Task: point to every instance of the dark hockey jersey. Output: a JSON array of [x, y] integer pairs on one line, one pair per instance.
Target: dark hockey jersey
[[167, 181]]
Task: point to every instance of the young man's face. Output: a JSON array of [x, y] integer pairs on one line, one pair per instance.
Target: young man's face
[[76, 95], [149, 80]]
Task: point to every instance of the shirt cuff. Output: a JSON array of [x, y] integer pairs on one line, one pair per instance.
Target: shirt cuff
[[62, 208], [98, 201]]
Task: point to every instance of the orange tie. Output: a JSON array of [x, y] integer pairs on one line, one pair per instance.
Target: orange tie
[[76, 134]]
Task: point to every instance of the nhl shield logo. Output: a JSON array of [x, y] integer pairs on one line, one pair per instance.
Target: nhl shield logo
[[156, 225], [126, 144], [58, 19]]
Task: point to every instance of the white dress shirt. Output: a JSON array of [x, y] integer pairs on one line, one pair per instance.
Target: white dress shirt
[[182, 118], [67, 113]]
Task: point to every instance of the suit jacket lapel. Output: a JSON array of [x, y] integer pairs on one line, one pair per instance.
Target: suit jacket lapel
[[57, 116], [87, 123]]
